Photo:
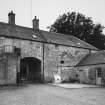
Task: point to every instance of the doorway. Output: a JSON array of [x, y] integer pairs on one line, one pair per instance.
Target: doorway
[[98, 76]]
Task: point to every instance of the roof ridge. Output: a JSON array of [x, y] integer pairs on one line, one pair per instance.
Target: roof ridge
[[16, 25]]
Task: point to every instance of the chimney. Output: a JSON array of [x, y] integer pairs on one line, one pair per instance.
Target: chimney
[[11, 18], [36, 23]]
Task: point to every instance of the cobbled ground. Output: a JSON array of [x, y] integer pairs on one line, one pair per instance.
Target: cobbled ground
[[45, 94]]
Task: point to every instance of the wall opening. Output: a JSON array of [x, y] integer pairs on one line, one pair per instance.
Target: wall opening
[[30, 70]]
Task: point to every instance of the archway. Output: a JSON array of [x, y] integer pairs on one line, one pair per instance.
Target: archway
[[30, 69]]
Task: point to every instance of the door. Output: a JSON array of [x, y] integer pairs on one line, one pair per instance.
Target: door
[[99, 76]]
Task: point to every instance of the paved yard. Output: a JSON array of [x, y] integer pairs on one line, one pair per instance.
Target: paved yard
[[39, 94], [75, 85]]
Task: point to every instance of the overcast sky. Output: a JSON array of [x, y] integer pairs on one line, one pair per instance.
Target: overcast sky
[[48, 10]]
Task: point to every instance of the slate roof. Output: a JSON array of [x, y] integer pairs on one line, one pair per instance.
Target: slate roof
[[18, 32], [15, 31], [65, 40], [93, 59]]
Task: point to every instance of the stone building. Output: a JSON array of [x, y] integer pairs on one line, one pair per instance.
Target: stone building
[[34, 55], [91, 69]]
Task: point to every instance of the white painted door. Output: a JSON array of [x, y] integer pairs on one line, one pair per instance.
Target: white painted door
[[99, 76]]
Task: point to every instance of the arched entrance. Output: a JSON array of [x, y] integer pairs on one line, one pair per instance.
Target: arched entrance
[[30, 69]]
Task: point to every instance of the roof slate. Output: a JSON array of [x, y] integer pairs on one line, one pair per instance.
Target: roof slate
[[15, 31], [93, 59], [18, 32]]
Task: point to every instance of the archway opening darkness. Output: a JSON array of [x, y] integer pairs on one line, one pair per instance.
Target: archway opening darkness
[[30, 69]]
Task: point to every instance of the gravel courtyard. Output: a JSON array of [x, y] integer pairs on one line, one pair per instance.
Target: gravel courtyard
[[46, 94]]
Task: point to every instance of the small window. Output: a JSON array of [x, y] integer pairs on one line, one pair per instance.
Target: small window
[[34, 36], [17, 51], [80, 70], [99, 72], [78, 43], [56, 46], [62, 62]]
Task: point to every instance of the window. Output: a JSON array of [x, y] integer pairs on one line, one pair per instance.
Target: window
[[99, 72], [34, 36], [56, 46], [17, 51], [62, 62]]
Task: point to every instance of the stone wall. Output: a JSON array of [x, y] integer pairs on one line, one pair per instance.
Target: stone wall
[[27, 49], [7, 69], [59, 59], [87, 74], [83, 74]]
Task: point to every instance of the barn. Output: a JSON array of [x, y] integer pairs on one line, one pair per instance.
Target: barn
[[34, 55]]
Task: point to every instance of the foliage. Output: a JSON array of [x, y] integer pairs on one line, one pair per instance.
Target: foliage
[[80, 26]]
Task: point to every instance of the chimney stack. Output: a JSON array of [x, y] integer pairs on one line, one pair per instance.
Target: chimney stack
[[36, 23], [11, 18]]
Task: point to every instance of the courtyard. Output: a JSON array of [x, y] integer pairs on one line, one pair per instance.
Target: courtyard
[[47, 94]]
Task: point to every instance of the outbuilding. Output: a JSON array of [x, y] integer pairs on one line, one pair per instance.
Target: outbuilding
[[91, 69]]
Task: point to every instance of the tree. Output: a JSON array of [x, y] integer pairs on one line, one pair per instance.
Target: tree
[[97, 39], [80, 26]]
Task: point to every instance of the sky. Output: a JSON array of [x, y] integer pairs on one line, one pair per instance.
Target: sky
[[47, 11]]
